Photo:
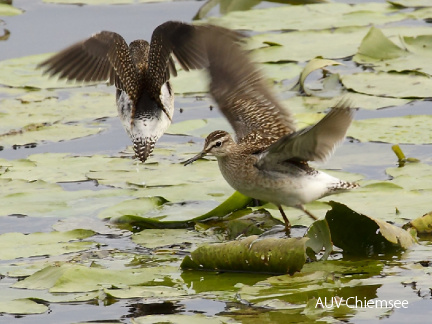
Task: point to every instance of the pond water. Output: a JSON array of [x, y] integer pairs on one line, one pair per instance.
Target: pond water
[[219, 297]]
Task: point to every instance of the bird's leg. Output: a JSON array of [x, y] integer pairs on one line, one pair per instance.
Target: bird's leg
[[307, 212], [287, 222]]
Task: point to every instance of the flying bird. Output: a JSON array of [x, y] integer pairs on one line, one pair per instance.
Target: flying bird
[[140, 72], [268, 159]]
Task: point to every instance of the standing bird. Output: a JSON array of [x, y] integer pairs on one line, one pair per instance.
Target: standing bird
[[140, 72], [269, 159]]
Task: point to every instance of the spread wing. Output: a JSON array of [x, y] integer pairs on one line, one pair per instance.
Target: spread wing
[[105, 56], [186, 42], [314, 143], [242, 92]]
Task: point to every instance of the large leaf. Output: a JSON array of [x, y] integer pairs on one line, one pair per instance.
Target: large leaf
[[255, 254], [358, 234], [389, 84], [252, 254], [422, 225], [18, 245], [8, 10], [379, 52], [22, 306], [317, 16], [77, 278]]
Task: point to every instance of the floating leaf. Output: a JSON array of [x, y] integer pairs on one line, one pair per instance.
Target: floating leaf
[[22, 307], [317, 44], [316, 16], [18, 245], [251, 254], [389, 84], [364, 235], [375, 46], [311, 66], [69, 278], [379, 52], [403, 130], [422, 225], [156, 238], [8, 10]]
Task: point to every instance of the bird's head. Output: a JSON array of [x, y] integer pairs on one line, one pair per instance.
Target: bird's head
[[217, 144]]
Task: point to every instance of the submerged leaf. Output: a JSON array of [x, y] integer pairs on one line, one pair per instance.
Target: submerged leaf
[[362, 235]]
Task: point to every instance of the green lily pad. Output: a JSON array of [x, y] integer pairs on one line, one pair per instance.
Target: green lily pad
[[389, 84], [311, 66], [20, 197], [316, 16], [379, 52], [413, 176], [8, 10], [317, 44], [422, 225], [251, 254], [305, 104], [18, 245], [36, 133], [70, 278], [195, 81], [22, 307], [156, 238], [137, 207], [364, 235], [403, 130], [182, 319], [45, 107], [406, 129]]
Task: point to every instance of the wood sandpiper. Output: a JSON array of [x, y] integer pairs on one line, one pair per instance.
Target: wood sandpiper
[[140, 72], [269, 159]]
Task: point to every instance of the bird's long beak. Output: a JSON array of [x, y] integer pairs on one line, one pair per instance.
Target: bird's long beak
[[196, 157]]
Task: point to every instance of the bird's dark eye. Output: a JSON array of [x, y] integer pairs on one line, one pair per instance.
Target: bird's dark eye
[[218, 143]]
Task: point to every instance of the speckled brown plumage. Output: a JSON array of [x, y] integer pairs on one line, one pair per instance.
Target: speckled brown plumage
[[140, 72], [269, 159]]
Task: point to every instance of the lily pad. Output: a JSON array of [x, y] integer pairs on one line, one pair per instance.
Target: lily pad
[[251, 254], [37, 133], [422, 225], [70, 278], [8, 10], [311, 66], [316, 16], [403, 130], [156, 238], [22, 72], [364, 235], [278, 47], [389, 84], [378, 51], [22, 307], [18, 245]]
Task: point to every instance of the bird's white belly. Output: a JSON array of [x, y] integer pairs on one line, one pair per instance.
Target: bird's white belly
[[282, 189]]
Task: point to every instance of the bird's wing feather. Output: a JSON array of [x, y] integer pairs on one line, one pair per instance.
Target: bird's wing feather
[[104, 56], [242, 92], [314, 143], [186, 43]]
